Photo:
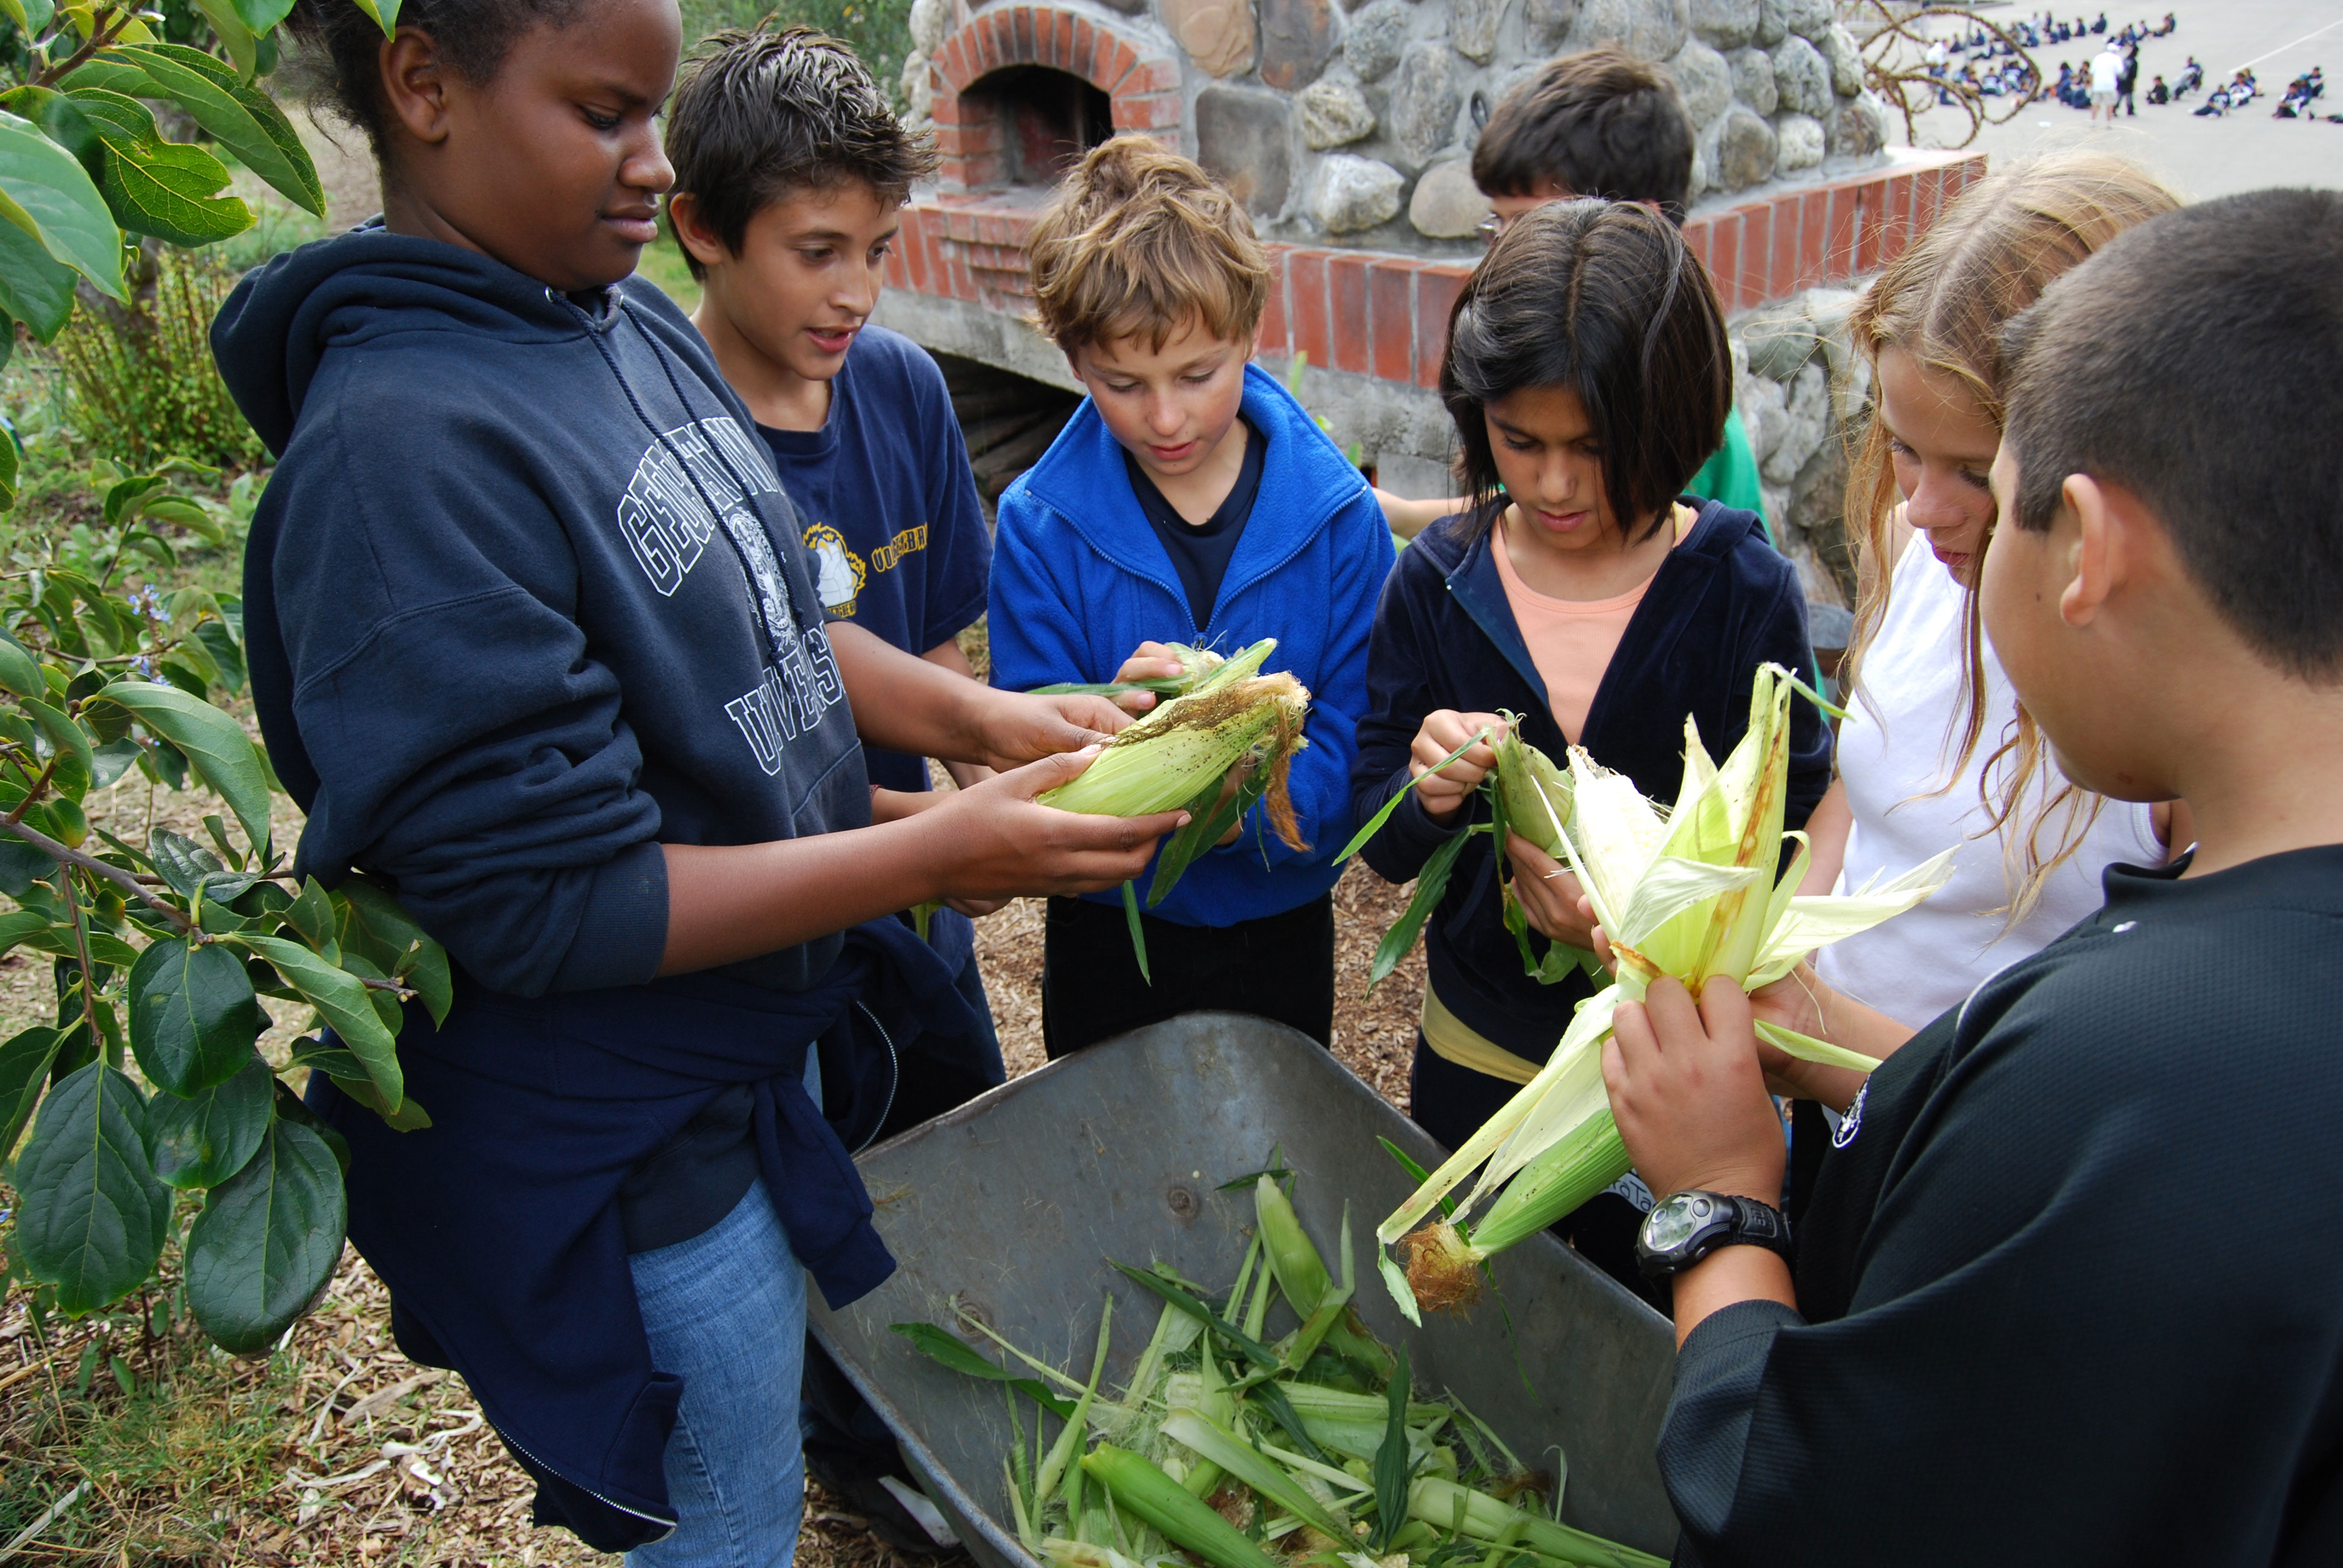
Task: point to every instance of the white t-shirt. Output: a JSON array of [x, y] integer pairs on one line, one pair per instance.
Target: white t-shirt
[[1893, 750], [2105, 70]]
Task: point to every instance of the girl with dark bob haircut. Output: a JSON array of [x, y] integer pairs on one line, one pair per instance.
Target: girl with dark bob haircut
[[1603, 298], [1582, 596]]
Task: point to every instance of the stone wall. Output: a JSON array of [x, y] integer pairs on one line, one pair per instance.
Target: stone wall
[[1352, 120]]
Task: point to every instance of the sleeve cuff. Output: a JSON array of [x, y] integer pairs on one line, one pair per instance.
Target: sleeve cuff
[[622, 935]]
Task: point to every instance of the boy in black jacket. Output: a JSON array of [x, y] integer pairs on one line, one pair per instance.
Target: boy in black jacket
[[2061, 1280]]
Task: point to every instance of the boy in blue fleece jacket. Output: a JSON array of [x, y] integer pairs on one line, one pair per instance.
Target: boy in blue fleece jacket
[[1189, 499]]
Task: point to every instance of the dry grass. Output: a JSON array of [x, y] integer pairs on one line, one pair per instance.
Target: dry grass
[[338, 1451]]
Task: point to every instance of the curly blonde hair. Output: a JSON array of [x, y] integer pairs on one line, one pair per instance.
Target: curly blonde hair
[[1141, 242], [1944, 302]]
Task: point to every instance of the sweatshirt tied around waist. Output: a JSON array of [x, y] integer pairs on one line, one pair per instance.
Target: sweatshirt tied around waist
[[525, 602]]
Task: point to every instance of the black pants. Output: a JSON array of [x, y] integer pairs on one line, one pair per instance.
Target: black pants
[[1280, 967]]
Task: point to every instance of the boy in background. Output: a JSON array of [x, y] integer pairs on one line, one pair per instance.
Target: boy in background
[[1189, 499], [1602, 124], [790, 169]]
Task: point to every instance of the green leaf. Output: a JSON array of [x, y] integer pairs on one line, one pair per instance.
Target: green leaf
[[341, 1001], [202, 1139], [375, 922], [1194, 1306], [7, 440], [1430, 883], [63, 122], [221, 644], [35, 289], [312, 915], [1138, 936], [32, 17], [24, 1063], [240, 118], [384, 12], [193, 1014], [20, 673], [46, 185], [188, 868], [23, 925], [234, 35], [170, 191], [92, 1217], [947, 1349], [260, 15], [65, 735], [213, 743], [1393, 1468], [1374, 824], [268, 1240]]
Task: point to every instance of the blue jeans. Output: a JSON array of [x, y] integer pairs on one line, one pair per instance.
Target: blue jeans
[[726, 1312]]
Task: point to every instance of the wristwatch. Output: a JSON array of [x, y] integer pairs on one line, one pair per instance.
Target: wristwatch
[[1684, 1228]]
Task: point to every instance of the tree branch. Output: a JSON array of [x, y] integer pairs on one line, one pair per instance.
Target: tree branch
[[104, 33], [121, 879]]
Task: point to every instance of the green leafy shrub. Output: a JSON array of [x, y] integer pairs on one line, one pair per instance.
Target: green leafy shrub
[[880, 31], [142, 379], [161, 952]]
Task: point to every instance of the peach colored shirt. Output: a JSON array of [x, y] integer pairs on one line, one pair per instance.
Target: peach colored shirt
[[1571, 640]]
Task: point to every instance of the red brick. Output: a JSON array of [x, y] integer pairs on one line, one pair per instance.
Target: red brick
[[899, 276], [931, 247], [1274, 339], [1756, 254], [957, 60], [943, 108], [1436, 288], [1080, 41], [1306, 272], [1346, 305], [1160, 74], [1114, 63], [1782, 255], [1061, 48], [1863, 215], [1724, 263], [1146, 111], [1699, 237], [1022, 45], [1813, 239], [912, 245], [1390, 298]]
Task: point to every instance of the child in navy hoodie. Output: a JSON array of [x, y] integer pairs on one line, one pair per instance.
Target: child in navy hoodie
[[1588, 375], [535, 640], [1189, 500]]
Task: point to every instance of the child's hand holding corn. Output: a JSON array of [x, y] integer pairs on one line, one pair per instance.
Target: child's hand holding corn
[[1444, 730]]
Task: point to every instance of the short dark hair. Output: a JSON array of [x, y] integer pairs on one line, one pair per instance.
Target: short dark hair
[[2197, 362], [344, 74], [1603, 298], [1600, 122], [760, 115]]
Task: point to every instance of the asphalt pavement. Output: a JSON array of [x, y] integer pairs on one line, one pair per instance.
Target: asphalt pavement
[[2245, 150]]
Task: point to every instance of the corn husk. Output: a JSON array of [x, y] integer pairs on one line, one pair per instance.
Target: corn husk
[[1690, 892]]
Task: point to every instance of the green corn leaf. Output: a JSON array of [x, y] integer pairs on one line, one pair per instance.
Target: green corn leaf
[[1430, 884], [341, 1001], [1806, 1048], [268, 1240], [1280, 1410], [205, 1138], [1374, 824], [50, 195], [91, 1217], [213, 742], [1252, 1350], [25, 1062], [1394, 1469], [1218, 1445], [946, 1349], [1138, 936], [193, 1014]]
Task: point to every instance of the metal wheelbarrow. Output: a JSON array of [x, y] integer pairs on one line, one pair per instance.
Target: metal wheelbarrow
[[1014, 1202]]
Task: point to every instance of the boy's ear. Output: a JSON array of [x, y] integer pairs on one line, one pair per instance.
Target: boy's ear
[[683, 216], [2104, 551], [414, 84]]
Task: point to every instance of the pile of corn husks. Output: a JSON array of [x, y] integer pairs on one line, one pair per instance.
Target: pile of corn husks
[[1232, 1452]]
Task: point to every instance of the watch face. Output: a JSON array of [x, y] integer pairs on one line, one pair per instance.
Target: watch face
[[1676, 1221]]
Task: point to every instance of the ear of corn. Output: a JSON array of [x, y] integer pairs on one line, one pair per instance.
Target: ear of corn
[[1691, 894], [1195, 665]]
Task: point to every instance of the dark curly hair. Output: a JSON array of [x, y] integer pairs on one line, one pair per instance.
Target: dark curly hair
[[340, 71], [1603, 298], [758, 115]]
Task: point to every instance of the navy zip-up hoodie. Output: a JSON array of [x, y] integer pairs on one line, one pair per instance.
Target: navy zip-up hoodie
[[1723, 602], [524, 601]]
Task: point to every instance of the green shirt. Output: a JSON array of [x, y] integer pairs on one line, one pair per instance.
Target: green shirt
[[1730, 475]]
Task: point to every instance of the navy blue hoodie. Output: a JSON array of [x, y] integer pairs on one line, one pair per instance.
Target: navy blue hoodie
[[1722, 603], [524, 602]]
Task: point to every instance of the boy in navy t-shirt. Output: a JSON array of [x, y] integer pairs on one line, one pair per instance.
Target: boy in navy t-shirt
[[789, 172]]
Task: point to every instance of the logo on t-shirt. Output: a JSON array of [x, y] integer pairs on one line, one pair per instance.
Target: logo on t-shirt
[[839, 572], [1852, 1122]]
